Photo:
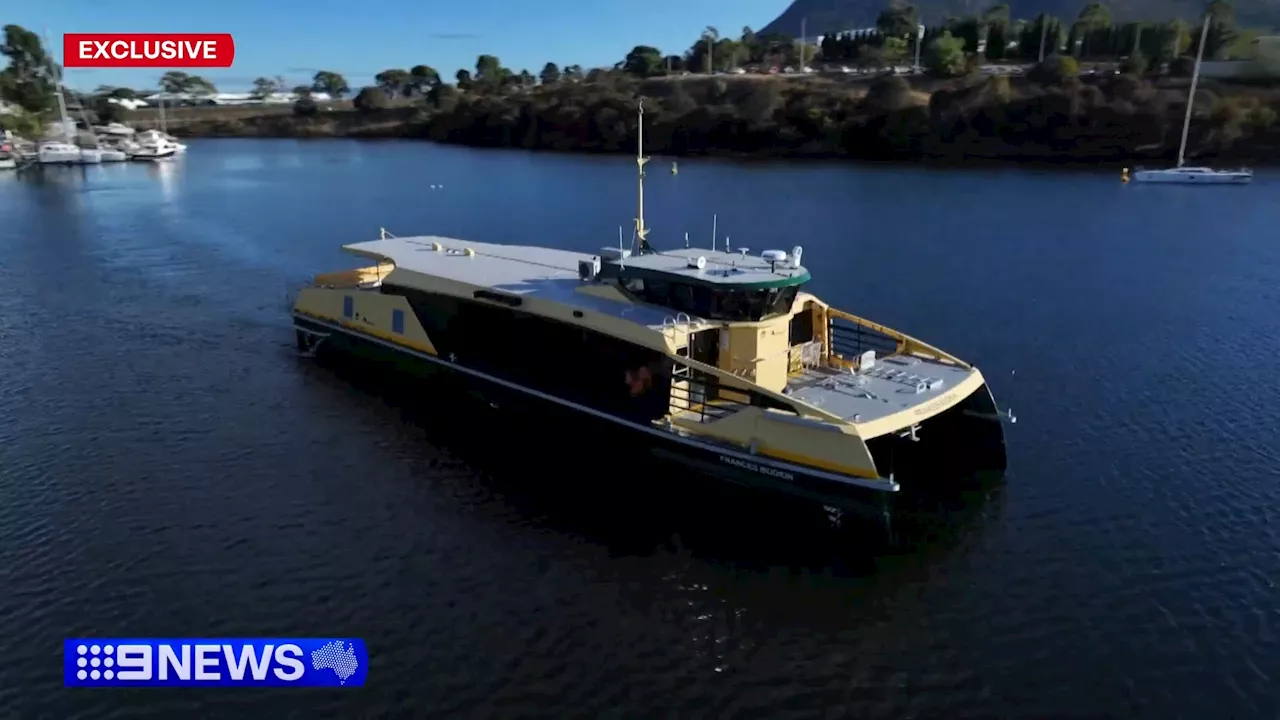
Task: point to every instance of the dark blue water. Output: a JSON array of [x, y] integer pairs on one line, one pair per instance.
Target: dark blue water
[[169, 467]]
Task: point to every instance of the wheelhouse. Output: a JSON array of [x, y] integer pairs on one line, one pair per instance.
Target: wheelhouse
[[718, 286]]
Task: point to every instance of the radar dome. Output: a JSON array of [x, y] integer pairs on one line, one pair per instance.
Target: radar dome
[[774, 255]]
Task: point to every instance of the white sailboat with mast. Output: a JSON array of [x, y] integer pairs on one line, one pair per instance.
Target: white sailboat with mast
[[58, 149], [1182, 173]]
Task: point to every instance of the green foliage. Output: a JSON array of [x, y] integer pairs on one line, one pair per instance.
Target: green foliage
[[176, 82], [996, 41], [1055, 69], [371, 99], [643, 61], [393, 82], [334, 84], [107, 112], [945, 56], [304, 106], [22, 123], [550, 74], [423, 78], [264, 87], [1135, 64], [898, 20], [30, 79]]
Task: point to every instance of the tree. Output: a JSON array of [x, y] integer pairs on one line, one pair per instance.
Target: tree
[[997, 14], [304, 106], [572, 72], [326, 81], [442, 96], [302, 91], [263, 88], [1093, 17], [1135, 64], [488, 70], [107, 111], [1222, 29], [897, 20], [996, 41], [894, 49], [1055, 69], [370, 99], [463, 76], [945, 56], [550, 74], [393, 82], [643, 61], [176, 82], [424, 78], [29, 81]]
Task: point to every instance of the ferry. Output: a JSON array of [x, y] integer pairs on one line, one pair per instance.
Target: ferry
[[718, 359]]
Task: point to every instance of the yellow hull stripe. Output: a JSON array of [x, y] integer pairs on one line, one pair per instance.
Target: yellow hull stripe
[[392, 338], [799, 459]]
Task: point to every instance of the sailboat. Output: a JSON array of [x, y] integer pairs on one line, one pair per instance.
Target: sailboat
[[1189, 174], [171, 141], [104, 154]]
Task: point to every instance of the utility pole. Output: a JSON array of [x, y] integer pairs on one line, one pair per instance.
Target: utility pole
[[710, 48], [1044, 32], [919, 40], [1137, 37]]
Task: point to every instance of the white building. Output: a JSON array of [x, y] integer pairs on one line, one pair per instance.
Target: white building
[[231, 98]]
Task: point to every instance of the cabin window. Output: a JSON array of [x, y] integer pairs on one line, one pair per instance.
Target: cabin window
[[397, 321], [348, 307], [713, 303], [555, 357]]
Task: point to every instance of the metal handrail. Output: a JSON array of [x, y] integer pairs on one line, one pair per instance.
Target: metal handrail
[[905, 343]]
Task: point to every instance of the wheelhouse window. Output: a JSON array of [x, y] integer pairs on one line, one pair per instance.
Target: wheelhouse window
[[713, 303]]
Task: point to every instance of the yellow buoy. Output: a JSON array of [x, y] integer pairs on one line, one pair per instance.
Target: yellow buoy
[[1124, 175]]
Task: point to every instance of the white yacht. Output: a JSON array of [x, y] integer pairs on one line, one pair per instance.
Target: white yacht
[[152, 145], [90, 156], [57, 152], [1194, 176], [1181, 173]]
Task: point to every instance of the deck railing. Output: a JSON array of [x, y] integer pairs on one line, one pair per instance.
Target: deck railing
[[709, 398], [849, 336]]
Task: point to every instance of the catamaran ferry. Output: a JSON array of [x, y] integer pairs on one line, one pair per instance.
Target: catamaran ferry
[[715, 358]]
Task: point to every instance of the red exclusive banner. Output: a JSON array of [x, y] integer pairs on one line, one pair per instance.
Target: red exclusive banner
[[148, 50]]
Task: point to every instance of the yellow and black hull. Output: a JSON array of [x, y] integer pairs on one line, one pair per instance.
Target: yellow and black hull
[[596, 420]]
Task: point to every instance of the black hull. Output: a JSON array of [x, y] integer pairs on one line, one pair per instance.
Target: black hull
[[525, 412]]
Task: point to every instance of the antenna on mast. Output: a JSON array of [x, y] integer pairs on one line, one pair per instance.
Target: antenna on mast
[[642, 232]]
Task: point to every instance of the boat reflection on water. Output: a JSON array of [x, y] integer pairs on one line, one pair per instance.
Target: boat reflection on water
[[166, 176], [635, 502], [710, 558]]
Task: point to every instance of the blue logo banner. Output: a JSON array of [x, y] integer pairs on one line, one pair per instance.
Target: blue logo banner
[[195, 662]]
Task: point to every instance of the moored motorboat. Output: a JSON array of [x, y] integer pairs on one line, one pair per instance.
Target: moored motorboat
[[56, 152], [718, 359]]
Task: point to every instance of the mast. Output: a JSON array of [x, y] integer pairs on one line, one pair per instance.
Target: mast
[[642, 232], [1191, 95], [57, 80]]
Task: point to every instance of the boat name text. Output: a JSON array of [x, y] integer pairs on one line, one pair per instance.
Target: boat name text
[[753, 467]]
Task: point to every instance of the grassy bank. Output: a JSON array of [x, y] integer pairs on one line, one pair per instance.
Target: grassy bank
[[1040, 117]]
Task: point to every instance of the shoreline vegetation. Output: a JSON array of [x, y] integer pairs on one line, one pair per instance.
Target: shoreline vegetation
[[1104, 93]]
